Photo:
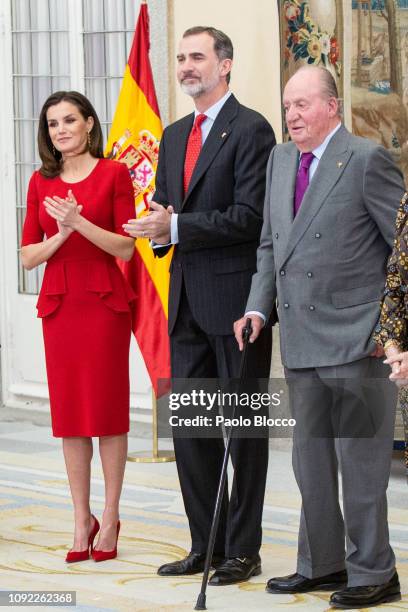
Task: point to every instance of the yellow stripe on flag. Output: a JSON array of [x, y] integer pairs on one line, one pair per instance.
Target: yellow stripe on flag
[[132, 111]]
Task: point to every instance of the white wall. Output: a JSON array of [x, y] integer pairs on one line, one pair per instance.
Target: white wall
[[254, 30]]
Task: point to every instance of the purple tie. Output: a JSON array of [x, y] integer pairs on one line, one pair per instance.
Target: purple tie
[[302, 179]]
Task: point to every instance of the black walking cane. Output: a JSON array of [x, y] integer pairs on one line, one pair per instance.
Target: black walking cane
[[200, 605]]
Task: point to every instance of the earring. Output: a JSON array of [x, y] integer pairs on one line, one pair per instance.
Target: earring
[[53, 151], [89, 140]]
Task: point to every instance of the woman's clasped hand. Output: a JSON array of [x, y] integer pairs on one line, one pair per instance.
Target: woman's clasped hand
[[66, 211], [399, 368]]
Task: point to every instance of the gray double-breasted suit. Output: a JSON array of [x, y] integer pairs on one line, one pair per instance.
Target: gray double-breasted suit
[[326, 270]]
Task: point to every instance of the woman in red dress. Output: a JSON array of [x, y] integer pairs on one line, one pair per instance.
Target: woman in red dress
[[76, 205]]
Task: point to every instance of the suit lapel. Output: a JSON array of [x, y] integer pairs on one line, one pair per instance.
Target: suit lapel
[[283, 205], [329, 171], [215, 140], [178, 154]]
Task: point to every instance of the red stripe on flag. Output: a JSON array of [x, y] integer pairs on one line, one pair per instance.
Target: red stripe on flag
[[138, 61], [149, 322]]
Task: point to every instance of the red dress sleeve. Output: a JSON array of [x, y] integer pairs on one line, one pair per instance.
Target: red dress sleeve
[[124, 199], [32, 230]]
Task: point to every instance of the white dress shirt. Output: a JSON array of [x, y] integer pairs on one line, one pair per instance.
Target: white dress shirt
[[206, 126]]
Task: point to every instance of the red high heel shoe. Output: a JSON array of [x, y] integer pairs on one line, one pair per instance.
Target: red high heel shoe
[[73, 556], [104, 555]]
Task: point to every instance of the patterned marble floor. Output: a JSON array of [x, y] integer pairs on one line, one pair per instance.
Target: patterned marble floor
[[36, 529]]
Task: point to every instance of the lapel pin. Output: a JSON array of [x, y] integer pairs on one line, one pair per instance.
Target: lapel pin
[[339, 164], [223, 134]]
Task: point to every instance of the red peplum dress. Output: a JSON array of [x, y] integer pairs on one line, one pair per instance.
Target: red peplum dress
[[85, 305]]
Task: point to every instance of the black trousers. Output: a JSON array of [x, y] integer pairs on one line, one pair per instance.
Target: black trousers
[[195, 354]]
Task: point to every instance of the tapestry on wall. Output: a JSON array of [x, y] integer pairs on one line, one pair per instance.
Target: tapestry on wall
[[311, 32], [379, 74]]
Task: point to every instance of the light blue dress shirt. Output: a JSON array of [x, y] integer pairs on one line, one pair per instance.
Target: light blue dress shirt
[[318, 152]]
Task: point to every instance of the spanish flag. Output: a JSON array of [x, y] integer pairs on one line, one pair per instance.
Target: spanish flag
[[134, 140]]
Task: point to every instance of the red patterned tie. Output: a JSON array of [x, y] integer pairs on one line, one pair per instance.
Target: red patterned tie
[[193, 149]]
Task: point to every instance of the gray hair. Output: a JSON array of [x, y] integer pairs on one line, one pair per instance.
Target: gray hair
[[329, 85], [222, 43]]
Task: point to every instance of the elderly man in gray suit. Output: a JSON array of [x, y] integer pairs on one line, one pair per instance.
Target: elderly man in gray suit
[[330, 207]]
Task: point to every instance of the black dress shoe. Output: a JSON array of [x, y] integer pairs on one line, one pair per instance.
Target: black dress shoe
[[235, 570], [296, 583], [366, 596], [192, 564]]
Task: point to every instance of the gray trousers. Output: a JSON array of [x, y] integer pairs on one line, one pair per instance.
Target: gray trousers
[[345, 419]]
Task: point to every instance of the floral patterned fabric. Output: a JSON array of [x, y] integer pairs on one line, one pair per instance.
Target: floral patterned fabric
[[394, 310], [305, 40]]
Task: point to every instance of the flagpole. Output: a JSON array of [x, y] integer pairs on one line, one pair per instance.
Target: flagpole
[[155, 456], [134, 140]]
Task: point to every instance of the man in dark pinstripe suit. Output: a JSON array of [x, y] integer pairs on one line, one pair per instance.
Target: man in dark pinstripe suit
[[215, 223]]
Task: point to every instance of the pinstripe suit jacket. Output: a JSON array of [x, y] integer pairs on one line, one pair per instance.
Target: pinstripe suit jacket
[[220, 216]]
